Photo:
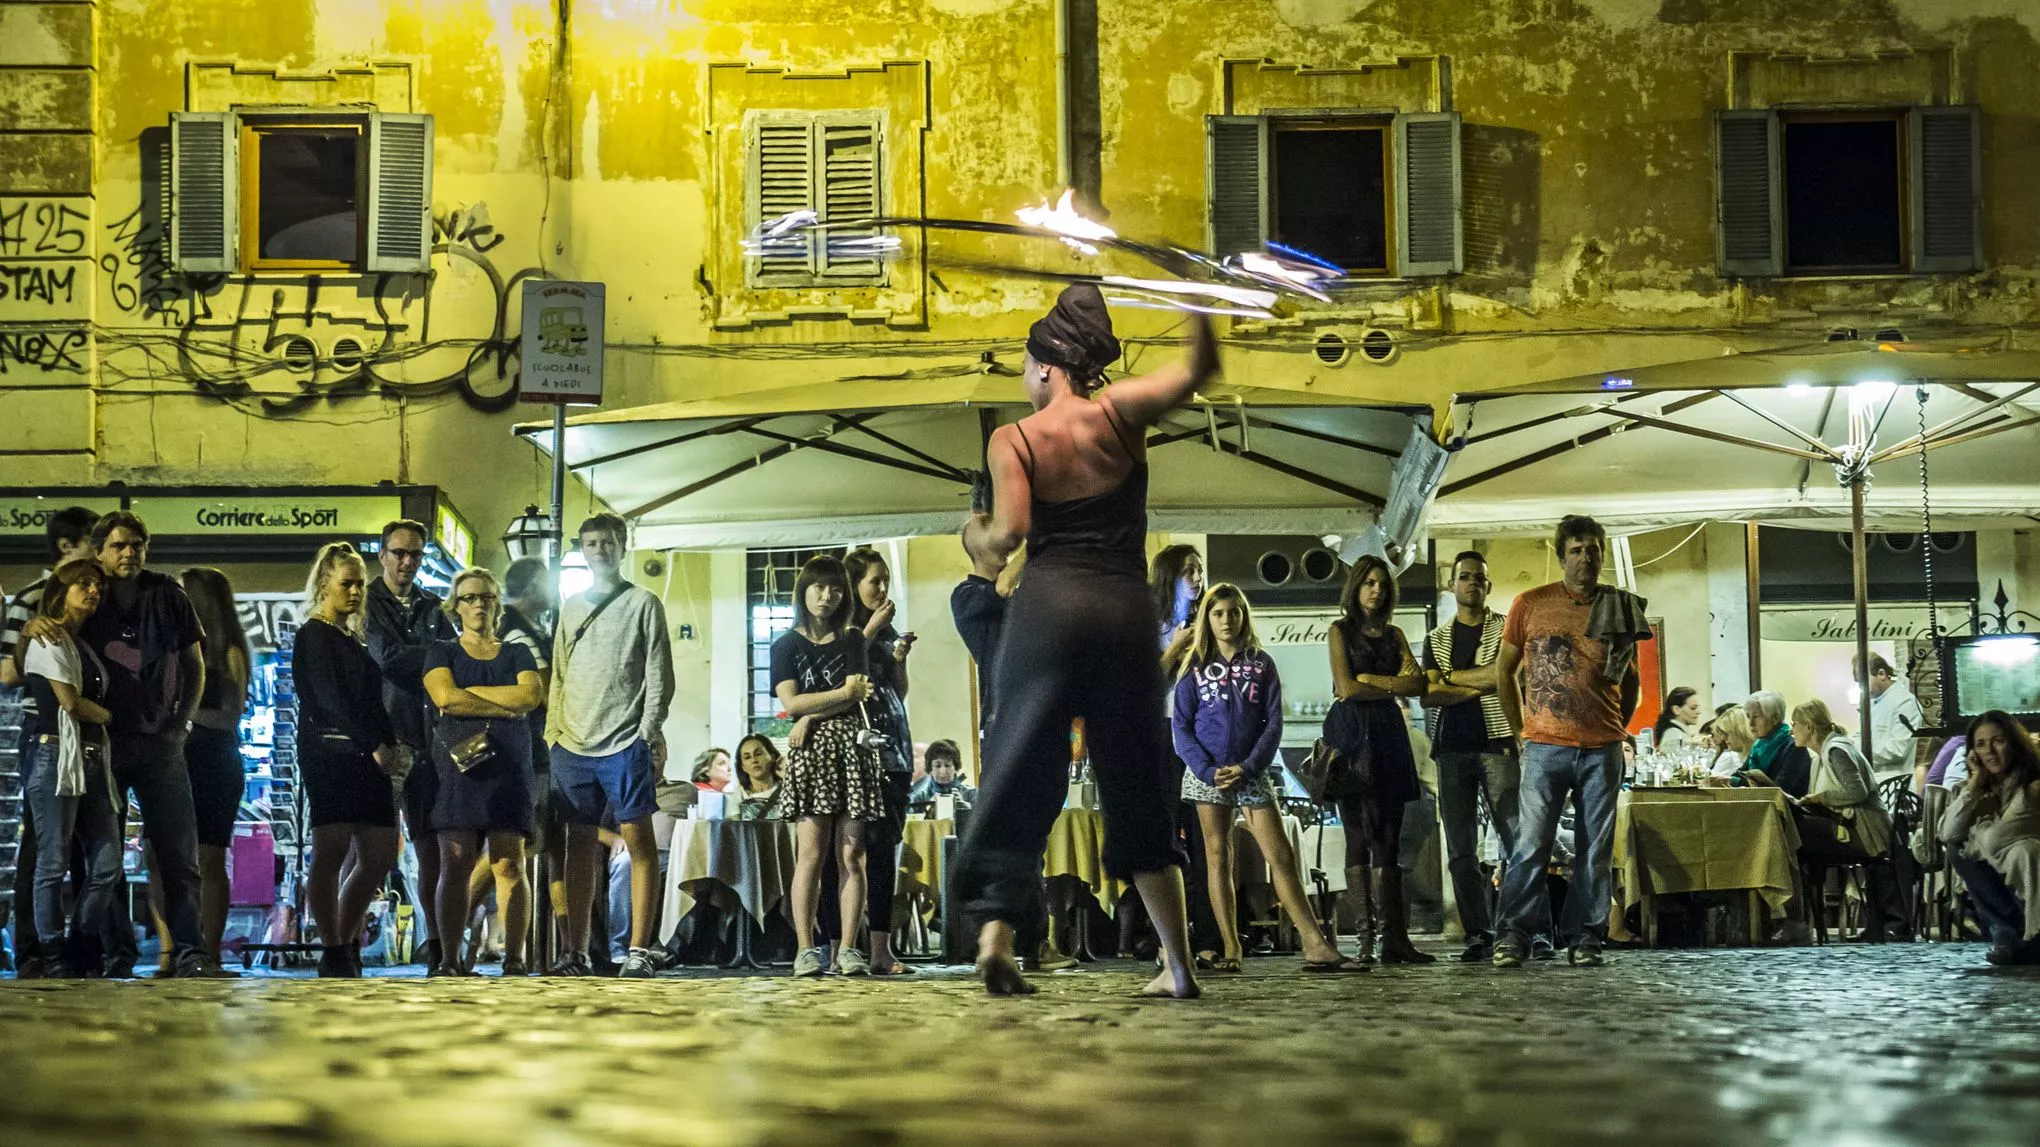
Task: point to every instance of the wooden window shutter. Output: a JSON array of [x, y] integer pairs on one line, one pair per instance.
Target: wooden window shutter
[[1427, 193], [1237, 167], [205, 184], [399, 217], [1749, 229], [848, 159], [779, 181], [1946, 155]]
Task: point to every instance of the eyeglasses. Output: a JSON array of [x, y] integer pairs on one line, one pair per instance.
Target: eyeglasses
[[478, 599], [405, 555]]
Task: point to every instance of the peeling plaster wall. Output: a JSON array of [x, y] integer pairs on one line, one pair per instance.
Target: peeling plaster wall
[[1587, 149]]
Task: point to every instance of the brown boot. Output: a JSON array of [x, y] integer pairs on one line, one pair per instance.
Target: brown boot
[[1360, 885], [1395, 932]]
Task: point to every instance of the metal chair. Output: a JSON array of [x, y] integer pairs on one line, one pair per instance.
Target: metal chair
[[1902, 805]]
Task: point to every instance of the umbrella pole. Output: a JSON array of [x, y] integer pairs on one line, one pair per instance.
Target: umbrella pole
[[1860, 561]]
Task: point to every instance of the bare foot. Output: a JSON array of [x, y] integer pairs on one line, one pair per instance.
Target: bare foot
[[1002, 977], [1172, 985]]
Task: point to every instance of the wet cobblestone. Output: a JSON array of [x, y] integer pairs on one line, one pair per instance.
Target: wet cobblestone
[[1857, 1046]]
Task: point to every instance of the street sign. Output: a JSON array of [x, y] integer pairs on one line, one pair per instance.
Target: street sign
[[561, 350]]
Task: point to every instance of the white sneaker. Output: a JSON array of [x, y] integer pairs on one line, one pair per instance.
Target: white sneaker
[[851, 962], [809, 962]]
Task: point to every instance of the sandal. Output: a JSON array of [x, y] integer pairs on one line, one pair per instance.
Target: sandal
[[1341, 965], [1226, 967], [895, 969]]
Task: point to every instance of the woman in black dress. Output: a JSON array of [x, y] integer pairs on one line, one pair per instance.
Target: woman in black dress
[[1071, 481], [481, 686], [1372, 669], [212, 753], [347, 756]]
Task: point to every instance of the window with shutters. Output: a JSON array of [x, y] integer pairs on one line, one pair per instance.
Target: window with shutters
[[258, 191], [830, 163], [1375, 195], [1815, 193]]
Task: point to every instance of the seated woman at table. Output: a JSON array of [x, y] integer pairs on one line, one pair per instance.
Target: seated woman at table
[[1840, 821], [758, 764], [1676, 724], [1732, 742], [1774, 759], [711, 772], [1995, 822], [1227, 725]]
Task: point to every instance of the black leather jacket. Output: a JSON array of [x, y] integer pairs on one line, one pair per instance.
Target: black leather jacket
[[397, 637]]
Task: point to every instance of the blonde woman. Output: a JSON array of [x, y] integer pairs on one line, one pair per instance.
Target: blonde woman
[[347, 755], [1840, 821], [1732, 742], [481, 685], [1227, 726]]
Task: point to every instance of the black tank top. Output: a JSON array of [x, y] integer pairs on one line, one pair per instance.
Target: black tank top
[[1106, 532]]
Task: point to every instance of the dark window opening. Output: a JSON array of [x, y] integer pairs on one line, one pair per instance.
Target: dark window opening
[[1844, 207], [308, 193], [1331, 194]]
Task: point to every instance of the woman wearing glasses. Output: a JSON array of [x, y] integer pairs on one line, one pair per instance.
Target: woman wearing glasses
[[481, 688]]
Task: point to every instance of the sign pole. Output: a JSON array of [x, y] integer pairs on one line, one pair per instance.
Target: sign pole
[[1860, 563], [559, 489]]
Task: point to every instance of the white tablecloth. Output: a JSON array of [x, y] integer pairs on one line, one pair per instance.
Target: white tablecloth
[[1334, 857], [748, 863]]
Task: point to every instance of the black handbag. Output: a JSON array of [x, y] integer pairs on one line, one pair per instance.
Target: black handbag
[[1345, 735], [1320, 770]]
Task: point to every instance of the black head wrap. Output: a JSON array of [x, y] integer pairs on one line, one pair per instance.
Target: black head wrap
[[1076, 335]]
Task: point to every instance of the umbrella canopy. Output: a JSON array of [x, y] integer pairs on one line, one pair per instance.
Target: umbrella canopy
[[895, 456], [1638, 459]]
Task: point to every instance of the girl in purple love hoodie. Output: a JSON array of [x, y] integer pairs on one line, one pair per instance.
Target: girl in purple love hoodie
[[1227, 726]]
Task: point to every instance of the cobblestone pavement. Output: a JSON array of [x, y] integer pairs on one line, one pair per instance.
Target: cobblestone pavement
[[1856, 1046]]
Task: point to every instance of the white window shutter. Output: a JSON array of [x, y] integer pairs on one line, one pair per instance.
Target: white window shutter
[[1237, 168], [205, 184], [849, 154], [1946, 154], [779, 150], [1427, 193], [1749, 232], [399, 215]]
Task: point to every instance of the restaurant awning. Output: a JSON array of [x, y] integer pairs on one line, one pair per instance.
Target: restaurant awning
[[1730, 442], [891, 457]]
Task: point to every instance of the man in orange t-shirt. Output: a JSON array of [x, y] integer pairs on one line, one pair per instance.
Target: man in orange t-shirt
[[1571, 716]]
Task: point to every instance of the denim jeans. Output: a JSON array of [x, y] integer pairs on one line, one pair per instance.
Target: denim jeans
[[152, 767], [1551, 773], [1997, 907], [56, 819], [1465, 780]]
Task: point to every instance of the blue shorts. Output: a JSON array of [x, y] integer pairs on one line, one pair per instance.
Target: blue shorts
[[621, 784]]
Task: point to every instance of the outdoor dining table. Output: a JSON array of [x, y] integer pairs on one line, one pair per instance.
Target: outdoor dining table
[[733, 864], [1676, 840]]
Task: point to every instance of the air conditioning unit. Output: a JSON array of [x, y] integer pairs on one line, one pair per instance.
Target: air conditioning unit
[[1276, 569]]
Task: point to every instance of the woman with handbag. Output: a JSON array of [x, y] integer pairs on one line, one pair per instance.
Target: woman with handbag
[[834, 785], [65, 784], [481, 688], [1227, 723], [347, 756], [1372, 670]]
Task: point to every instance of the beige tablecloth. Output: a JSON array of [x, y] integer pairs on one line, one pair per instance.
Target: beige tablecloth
[[1076, 849], [747, 863], [921, 857], [1695, 840]]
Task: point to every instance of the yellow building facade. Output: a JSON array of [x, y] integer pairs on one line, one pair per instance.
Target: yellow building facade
[[151, 332]]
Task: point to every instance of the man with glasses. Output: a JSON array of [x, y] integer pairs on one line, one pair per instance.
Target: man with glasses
[[403, 619], [1472, 743]]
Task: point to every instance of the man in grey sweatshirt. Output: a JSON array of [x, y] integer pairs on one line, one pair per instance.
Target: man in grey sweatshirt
[[612, 684]]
